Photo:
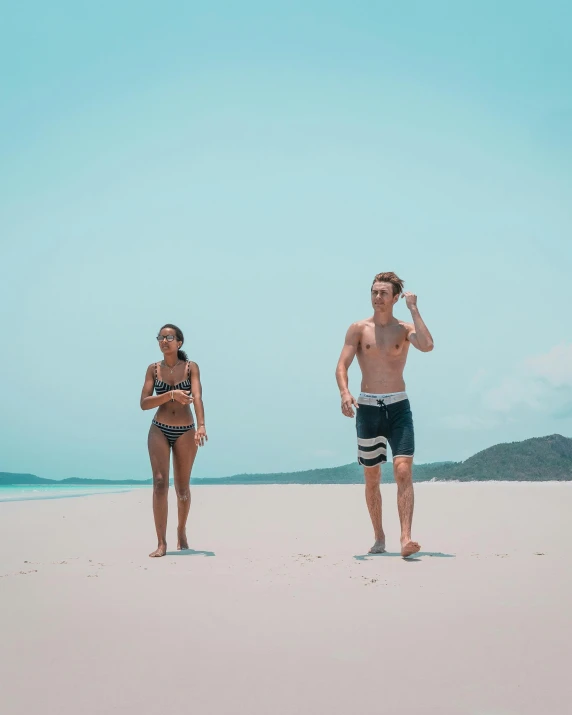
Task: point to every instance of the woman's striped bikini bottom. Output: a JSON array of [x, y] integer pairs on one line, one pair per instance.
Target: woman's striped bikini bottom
[[171, 432]]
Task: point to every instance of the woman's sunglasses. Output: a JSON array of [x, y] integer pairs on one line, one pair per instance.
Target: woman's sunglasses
[[168, 338]]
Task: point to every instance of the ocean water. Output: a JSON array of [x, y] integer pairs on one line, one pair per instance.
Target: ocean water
[[30, 492]]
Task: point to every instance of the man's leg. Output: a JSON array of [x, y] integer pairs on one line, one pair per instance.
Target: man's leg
[[372, 450], [372, 477], [402, 470]]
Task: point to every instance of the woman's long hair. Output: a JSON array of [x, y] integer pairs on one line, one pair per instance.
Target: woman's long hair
[[181, 354]]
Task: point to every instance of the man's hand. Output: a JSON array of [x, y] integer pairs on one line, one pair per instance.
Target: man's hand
[[348, 404], [410, 299]]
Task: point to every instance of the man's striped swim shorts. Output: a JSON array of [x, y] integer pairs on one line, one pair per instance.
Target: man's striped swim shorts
[[381, 419]]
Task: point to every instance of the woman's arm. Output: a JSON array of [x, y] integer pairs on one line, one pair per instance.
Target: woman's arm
[[197, 392], [148, 400]]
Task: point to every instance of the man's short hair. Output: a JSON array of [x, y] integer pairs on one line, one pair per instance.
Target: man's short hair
[[392, 278]]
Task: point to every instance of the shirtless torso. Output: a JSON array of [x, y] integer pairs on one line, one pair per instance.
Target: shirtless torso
[[381, 345], [381, 352]]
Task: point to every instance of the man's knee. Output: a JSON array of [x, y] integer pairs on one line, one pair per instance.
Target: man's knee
[[372, 476], [402, 470], [160, 483]]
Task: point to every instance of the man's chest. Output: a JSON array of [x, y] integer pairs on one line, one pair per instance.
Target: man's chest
[[384, 342]]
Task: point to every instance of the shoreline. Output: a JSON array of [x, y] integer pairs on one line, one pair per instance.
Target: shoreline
[[21, 492]]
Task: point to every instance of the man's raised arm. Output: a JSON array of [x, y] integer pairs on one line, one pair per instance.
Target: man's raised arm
[[419, 336], [346, 358]]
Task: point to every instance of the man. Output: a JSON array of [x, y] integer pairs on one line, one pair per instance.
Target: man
[[381, 344]]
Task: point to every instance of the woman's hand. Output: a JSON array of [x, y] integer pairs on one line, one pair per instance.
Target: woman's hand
[[183, 397], [201, 436]]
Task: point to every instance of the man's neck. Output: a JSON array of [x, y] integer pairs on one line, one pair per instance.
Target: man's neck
[[383, 317]]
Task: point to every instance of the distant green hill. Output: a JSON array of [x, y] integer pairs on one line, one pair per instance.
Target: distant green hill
[[346, 474], [538, 459], [534, 460], [12, 478]]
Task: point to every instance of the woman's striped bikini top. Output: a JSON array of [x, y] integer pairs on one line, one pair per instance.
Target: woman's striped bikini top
[[162, 387]]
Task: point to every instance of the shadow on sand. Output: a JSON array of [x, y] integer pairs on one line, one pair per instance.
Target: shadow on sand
[[190, 552], [413, 557]]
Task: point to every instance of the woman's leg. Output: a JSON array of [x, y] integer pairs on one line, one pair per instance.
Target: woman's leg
[[159, 455], [184, 453]]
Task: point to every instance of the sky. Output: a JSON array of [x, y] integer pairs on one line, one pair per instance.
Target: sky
[[244, 170]]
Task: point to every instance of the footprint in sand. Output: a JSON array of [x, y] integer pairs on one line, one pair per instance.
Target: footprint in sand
[[369, 581], [309, 557]]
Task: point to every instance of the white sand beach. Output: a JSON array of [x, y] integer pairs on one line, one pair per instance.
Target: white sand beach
[[280, 611]]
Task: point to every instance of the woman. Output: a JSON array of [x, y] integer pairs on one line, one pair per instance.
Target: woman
[[177, 382]]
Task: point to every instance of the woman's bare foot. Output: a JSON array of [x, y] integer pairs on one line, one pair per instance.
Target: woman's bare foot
[[161, 550], [378, 547], [182, 542], [409, 547]]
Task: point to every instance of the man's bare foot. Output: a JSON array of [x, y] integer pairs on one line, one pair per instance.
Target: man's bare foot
[[182, 542], [409, 547], [378, 547], [161, 550]]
